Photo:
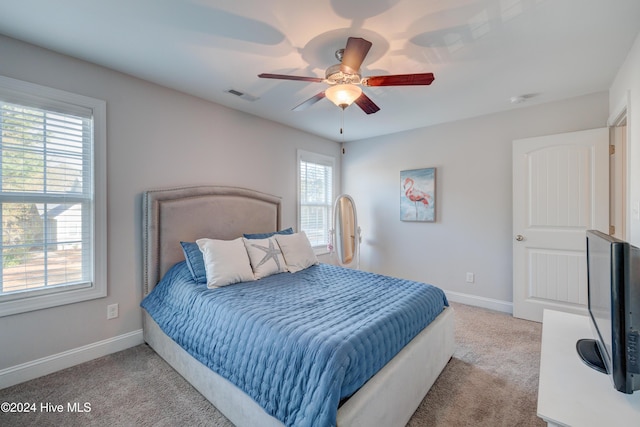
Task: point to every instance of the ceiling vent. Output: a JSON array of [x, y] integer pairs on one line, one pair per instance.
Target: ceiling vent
[[242, 95]]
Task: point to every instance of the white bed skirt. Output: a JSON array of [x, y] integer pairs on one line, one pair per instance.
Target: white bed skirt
[[388, 399]]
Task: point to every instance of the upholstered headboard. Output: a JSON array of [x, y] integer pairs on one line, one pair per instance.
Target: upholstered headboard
[[186, 214]]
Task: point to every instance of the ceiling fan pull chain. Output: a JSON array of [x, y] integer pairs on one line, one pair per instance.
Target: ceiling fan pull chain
[[342, 123]]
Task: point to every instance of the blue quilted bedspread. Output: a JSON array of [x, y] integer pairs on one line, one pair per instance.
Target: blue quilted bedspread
[[296, 343]]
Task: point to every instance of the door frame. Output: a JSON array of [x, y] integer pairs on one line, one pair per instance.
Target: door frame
[[620, 117]]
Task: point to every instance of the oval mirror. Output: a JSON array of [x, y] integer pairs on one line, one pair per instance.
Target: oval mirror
[[346, 231]]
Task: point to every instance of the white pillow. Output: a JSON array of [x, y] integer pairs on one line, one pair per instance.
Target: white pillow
[[297, 251], [225, 261], [265, 256]]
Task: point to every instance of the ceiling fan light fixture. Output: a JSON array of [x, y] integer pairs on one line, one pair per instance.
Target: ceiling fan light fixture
[[343, 95], [344, 79]]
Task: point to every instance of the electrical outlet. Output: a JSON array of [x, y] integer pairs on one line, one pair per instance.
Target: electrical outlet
[[470, 277], [112, 311]]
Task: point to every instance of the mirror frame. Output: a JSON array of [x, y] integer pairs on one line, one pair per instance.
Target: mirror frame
[[357, 238]]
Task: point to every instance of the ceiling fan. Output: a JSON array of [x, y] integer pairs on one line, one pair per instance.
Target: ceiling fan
[[344, 79]]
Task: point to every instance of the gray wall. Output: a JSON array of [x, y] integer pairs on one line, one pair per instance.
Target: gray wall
[[156, 138], [473, 228]]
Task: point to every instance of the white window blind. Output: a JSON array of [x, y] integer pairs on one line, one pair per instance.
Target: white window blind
[[316, 197], [48, 204]]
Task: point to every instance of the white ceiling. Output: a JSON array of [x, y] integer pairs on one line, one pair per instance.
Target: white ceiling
[[482, 52]]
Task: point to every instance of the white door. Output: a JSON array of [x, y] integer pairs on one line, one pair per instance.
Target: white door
[[560, 190]]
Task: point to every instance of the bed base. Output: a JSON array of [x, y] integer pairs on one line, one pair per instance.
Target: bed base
[[388, 399]]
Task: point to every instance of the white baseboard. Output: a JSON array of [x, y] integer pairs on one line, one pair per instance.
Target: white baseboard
[[490, 303], [56, 362]]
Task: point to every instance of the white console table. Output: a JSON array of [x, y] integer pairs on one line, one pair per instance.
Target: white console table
[[570, 393]]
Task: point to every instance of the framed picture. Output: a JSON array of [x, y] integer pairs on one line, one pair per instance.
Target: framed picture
[[418, 195]]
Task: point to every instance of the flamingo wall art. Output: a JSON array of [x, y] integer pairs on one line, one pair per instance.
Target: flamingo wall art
[[418, 195]]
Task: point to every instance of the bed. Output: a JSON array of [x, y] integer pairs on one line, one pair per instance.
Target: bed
[[388, 398]]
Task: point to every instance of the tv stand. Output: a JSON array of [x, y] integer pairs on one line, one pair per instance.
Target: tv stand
[[570, 393]]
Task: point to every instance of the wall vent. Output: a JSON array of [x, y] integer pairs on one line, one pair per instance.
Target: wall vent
[[242, 95]]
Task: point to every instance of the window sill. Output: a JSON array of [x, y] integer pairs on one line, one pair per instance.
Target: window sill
[[42, 301]]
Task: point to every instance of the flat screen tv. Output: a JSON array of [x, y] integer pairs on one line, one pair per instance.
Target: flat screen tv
[[613, 278]]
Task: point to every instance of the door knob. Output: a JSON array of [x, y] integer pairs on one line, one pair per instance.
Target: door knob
[[519, 237]]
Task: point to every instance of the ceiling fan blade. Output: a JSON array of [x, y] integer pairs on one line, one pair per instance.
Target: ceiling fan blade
[[367, 105], [399, 80], [309, 102], [355, 52], [288, 77]]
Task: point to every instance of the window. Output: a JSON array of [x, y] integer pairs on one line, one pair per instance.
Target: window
[[315, 198], [52, 197]]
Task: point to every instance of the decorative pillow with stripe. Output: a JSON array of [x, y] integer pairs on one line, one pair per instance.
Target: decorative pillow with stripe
[[267, 235], [195, 261]]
